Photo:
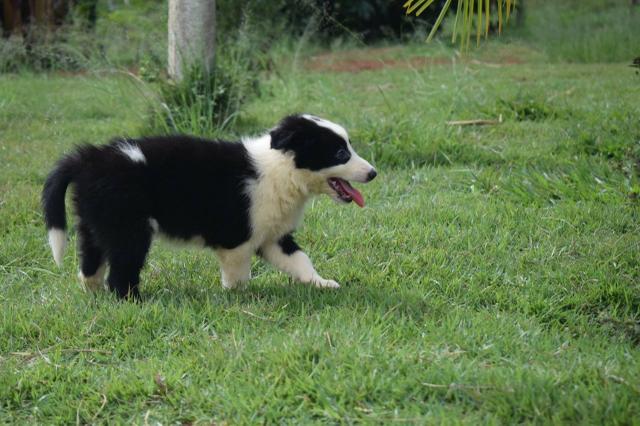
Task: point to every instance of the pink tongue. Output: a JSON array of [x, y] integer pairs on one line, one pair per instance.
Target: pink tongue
[[354, 193]]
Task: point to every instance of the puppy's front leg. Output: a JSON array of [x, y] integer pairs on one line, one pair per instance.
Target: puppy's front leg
[[235, 265], [287, 256]]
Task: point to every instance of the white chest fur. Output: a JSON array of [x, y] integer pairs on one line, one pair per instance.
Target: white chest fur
[[278, 195]]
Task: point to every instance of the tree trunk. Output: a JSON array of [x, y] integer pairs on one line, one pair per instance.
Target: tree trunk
[[11, 17], [192, 36]]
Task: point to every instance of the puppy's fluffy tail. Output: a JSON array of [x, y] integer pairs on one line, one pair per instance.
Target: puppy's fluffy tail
[[53, 194]]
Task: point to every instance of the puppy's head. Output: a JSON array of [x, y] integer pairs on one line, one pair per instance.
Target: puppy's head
[[322, 148]]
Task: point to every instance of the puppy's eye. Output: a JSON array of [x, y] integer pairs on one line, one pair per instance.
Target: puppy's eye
[[342, 155]]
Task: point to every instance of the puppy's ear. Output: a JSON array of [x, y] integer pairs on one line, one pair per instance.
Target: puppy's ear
[[281, 138]]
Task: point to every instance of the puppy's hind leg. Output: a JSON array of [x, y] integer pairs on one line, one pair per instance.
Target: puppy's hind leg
[[92, 261], [127, 254], [235, 265]]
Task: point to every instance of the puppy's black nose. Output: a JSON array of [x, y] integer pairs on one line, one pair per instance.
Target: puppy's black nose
[[372, 174]]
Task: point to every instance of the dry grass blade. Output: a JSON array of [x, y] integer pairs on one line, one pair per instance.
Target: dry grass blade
[[475, 122], [161, 384], [251, 314], [453, 386], [69, 350], [102, 405]]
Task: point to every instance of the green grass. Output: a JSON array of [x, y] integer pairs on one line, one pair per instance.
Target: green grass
[[583, 31], [492, 278]]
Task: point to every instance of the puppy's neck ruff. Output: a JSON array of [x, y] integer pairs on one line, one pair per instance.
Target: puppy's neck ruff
[[280, 191], [277, 173]]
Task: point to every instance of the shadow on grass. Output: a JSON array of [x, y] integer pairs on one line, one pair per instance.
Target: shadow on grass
[[293, 298]]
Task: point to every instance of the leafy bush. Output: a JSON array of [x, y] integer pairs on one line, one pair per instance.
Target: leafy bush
[[67, 49], [374, 19], [124, 36], [368, 19]]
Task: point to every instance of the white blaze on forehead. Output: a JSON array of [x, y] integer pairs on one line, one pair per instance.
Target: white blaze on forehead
[[335, 128], [133, 152]]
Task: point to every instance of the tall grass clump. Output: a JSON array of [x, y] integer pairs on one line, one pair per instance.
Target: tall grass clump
[[205, 103]]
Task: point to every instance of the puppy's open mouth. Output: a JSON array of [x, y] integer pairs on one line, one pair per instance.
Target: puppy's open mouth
[[345, 191]]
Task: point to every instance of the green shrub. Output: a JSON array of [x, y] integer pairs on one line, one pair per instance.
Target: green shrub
[[369, 20], [124, 36], [66, 49]]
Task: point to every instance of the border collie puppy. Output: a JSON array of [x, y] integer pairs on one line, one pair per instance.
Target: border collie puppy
[[237, 198]]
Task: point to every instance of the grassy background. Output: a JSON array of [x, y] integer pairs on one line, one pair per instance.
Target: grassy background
[[492, 278], [582, 31]]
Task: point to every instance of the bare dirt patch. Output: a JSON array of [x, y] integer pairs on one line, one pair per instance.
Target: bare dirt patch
[[374, 59], [358, 65]]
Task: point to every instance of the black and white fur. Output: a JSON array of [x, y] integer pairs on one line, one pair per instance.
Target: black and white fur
[[237, 198]]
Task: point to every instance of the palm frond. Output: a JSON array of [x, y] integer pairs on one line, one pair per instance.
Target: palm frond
[[464, 20]]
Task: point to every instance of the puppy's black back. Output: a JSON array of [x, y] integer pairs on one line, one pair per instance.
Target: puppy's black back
[[189, 186]]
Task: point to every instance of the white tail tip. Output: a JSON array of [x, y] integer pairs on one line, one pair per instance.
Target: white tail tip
[[58, 243]]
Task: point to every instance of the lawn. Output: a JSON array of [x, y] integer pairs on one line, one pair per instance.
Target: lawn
[[493, 277]]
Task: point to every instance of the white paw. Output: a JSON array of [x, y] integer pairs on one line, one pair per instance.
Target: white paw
[[228, 285], [92, 284], [322, 283], [235, 284], [234, 280]]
